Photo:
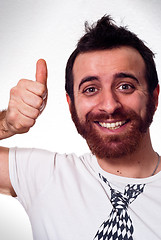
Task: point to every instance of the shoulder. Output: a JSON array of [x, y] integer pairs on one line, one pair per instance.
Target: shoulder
[[29, 159], [36, 155], [29, 153]]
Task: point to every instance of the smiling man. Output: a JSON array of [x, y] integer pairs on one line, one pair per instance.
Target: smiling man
[[111, 107], [114, 191]]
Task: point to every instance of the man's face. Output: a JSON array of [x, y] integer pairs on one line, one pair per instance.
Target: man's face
[[112, 109]]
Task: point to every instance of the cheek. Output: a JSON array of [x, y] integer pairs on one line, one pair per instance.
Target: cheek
[[138, 104], [84, 106]]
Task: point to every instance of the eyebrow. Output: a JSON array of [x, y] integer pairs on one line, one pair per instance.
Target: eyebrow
[[117, 75], [125, 75], [87, 79]]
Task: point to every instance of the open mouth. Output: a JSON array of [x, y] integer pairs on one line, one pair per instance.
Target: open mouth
[[113, 125]]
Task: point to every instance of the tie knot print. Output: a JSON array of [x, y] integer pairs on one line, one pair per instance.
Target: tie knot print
[[119, 224], [118, 200]]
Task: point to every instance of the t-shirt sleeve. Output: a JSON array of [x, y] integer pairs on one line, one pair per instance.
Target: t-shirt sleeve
[[30, 171]]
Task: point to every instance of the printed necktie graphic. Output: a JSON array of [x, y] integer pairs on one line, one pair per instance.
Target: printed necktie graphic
[[119, 225]]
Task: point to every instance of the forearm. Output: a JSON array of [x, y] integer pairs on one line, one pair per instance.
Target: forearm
[[5, 132]]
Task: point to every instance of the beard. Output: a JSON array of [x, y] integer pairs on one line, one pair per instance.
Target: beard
[[106, 146]]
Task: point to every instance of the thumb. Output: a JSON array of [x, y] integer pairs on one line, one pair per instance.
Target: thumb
[[41, 71]]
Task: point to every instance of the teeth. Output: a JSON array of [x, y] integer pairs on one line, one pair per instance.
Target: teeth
[[112, 126]]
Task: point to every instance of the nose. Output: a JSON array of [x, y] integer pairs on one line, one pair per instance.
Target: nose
[[109, 102]]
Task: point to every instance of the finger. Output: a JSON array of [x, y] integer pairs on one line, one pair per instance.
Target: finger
[[41, 72], [28, 111], [28, 85], [18, 122], [32, 100]]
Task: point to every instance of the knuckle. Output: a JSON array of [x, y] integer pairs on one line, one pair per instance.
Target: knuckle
[[21, 82], [12, 117], [43, 90], [13, 91], [29, 123], [33, 114], [25, 130], [22, 126], [39, 103], [18, 122], [36, 113], [18, 126]]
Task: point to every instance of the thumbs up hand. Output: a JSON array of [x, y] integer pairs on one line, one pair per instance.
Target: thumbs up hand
[[27, 101]]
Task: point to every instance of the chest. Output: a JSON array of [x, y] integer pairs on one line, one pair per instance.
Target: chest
[[76, 211]]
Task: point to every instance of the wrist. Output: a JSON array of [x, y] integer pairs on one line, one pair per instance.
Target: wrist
[[4, 129]]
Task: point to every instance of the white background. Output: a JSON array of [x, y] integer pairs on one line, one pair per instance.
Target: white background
[[33, 29]]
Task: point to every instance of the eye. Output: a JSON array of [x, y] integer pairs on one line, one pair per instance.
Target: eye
[[90, 90], [126, 88]]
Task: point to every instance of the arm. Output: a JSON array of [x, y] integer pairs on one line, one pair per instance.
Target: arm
[[27, 101], [4, 131], [5, 183]]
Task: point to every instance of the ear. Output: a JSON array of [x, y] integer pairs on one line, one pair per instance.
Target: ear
[[68, 101], [156, 95]]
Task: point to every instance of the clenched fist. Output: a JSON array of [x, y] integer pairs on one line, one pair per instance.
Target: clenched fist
[[27, 101]]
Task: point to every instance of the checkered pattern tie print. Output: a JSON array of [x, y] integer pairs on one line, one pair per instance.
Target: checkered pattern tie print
[[119, 225]]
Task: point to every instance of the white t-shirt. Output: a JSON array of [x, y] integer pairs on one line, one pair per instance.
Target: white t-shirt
[[69, 198]]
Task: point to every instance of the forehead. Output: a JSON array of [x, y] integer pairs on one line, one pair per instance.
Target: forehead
[[108, 62]]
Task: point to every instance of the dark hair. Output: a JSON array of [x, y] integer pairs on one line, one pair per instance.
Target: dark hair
[[106, 35]]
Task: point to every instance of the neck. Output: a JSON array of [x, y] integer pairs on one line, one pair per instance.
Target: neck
[[139, 164]]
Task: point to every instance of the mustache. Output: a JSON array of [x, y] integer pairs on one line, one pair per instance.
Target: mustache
[[119, 114]]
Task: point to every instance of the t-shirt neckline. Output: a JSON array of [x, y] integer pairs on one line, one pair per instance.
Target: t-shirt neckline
[[112, 177]]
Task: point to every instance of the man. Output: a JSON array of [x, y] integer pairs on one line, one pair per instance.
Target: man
[[113, 192]]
